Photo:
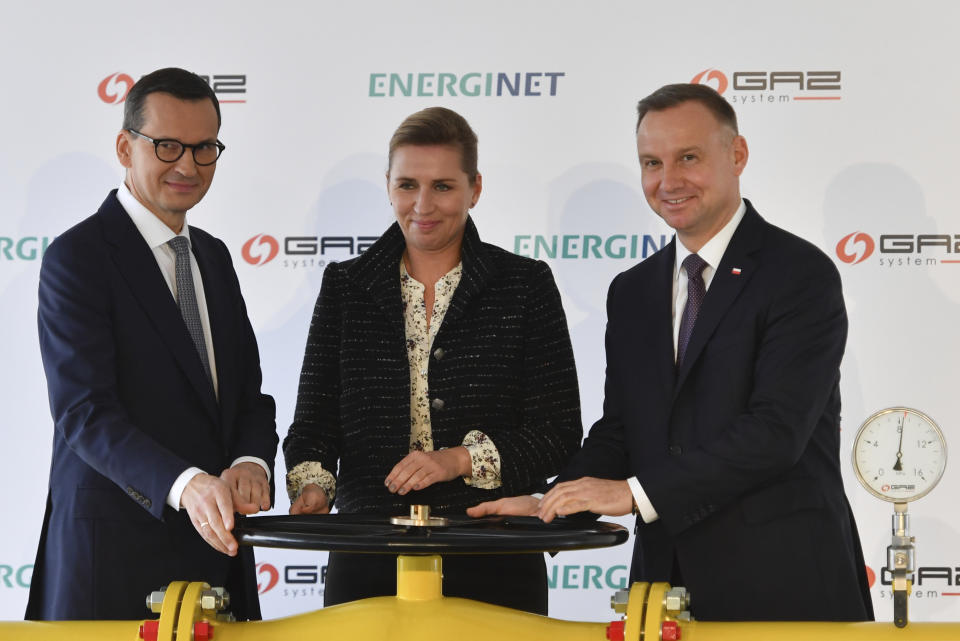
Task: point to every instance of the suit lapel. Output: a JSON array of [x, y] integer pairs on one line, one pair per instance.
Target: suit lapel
[[734, 272], [138, 267], [662, 327], [216, 291], [377, 271], [477, 271]]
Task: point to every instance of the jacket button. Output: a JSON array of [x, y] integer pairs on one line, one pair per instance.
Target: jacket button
[[437, 403], [438, 353], [676, 450]]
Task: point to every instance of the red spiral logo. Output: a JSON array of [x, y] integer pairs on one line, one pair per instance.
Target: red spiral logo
[[273, 576], [855, 248], [253, 250], [708, 76], [114, 88]]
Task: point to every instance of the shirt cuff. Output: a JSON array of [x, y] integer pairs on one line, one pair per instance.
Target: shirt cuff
[[303, 474], [179, 485], [644, 506], [484, 461], [253, 459]]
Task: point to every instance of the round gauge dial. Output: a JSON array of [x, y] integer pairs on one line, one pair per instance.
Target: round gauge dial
[[899, 454]]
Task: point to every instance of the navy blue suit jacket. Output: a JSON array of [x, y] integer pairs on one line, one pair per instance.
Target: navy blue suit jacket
[[132, 409], [738, 450]]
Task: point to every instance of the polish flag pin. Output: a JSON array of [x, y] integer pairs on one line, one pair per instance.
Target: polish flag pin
[[735, 271]]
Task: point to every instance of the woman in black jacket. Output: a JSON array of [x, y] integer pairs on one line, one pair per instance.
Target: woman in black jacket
[[438, 370]]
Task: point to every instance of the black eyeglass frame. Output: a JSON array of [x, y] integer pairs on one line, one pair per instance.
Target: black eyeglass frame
[[183, 148]]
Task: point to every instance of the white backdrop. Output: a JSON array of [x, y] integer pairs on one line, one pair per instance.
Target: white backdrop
[[848, 108]]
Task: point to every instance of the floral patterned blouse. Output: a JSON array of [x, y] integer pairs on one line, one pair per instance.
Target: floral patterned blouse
[[419, 336]]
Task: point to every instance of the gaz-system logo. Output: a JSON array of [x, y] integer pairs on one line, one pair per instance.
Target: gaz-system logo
[[260, 249], [855, 248], [114, 88], [772, 86]]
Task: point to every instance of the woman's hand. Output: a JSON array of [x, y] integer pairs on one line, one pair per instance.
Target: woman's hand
[[418, 470], [312, 500], [507, 506]]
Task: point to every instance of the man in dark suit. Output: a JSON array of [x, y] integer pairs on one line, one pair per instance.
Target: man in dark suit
[[721, 418], [161, 431]]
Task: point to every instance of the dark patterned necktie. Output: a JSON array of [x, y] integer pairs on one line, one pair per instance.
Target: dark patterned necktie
[[187, 299], [696, 290]]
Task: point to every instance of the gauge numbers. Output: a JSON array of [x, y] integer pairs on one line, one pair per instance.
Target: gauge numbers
[[899, 454]]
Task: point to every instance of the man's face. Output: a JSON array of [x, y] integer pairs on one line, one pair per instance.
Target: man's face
[[690, 166], [169, 189]]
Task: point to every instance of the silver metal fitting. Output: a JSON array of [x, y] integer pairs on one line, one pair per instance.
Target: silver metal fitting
[[677, 599], [155, 600], [619, 601], [224, 597], [214, 600]]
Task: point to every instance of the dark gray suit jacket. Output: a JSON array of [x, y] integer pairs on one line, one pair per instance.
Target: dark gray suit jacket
[[738, 451]]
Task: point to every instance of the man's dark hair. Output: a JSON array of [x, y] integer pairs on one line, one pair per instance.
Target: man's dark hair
[[179, 83], [672, 95], [438, 126]]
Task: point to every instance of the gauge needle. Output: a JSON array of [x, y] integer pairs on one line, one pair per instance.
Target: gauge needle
[[898, 466]]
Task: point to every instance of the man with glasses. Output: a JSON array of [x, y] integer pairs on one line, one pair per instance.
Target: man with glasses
[[161, 431]]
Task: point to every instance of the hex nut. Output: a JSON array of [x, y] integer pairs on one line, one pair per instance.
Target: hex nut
[[224, 597], [619, 601], [155, 600], [677, 599], [214, 600]]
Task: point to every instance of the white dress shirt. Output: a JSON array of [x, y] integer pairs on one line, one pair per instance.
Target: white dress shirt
[[712, 252], [157, 236]]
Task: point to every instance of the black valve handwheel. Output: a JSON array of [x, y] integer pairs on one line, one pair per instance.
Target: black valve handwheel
[[463, 535]]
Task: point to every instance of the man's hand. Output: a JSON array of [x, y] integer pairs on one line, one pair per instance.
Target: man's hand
[[508, 506], [312, 500], [206, 499], [249, 487], [600, 496], [418, 470]]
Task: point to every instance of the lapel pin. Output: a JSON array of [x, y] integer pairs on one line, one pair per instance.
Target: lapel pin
[[735, 271]]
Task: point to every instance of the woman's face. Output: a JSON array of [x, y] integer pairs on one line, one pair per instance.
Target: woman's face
[[431, 195]]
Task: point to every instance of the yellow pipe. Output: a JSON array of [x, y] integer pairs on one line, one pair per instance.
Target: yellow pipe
[[816, 631], [419, 578], [420, 612], [70, 630], [393, 619], [388, 618]]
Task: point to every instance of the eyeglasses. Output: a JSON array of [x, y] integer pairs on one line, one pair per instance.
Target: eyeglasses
[[170, 150]]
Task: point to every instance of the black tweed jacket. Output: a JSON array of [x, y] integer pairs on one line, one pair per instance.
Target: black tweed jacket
[[501, 363]]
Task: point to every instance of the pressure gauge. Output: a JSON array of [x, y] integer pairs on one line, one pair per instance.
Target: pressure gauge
[[899, 454]]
